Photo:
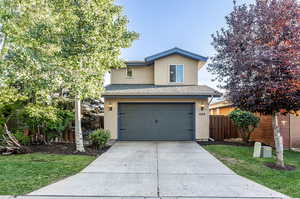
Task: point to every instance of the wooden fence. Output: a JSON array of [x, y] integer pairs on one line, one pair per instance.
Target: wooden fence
[[221, 127], [68, 136]]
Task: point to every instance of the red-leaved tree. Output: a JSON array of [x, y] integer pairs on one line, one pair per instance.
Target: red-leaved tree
[[258, 59]]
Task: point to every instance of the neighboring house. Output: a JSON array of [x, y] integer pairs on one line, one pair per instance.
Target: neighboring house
[[289, 125], [223, 107], [159, 99]]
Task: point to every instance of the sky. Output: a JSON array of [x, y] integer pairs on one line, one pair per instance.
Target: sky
[[164, 24]]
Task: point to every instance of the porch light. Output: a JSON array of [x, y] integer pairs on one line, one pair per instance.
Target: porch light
[[202, 106], [110, 107]]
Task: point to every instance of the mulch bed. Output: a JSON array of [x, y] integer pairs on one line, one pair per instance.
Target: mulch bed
[[65, 148], [272, 165], [205, 143]]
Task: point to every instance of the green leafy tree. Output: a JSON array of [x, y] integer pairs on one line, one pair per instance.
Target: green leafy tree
[[90, 44], [245, 121], [62, 44], [28, 61], [28, 48]]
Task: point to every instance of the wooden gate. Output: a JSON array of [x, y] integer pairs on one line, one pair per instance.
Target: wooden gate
[[221, 127]]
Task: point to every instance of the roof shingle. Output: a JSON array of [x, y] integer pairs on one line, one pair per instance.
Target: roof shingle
[[149, 89]]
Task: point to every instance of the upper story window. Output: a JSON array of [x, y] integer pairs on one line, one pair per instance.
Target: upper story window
[[176, 73], [129, 72]]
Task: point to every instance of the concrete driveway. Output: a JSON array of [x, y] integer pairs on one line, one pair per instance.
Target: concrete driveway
[[157, 169]]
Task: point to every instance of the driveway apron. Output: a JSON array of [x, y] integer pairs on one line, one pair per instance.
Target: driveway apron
[[157, 169]]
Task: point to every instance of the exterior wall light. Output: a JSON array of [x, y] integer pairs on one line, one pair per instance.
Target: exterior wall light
[[202, 106], [110, 107]]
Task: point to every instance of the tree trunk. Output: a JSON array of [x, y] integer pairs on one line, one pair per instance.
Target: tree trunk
[[244, 134], [78, 131], [278, 141], [12, 145]]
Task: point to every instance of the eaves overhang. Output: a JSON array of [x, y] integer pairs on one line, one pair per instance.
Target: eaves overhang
[[156, 96]]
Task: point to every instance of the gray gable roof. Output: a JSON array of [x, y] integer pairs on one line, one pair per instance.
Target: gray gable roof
[[175, 51], [136, 90], [149, 60]]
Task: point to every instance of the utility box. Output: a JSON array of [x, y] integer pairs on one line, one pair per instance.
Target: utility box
[[257, 150], [266, 151]]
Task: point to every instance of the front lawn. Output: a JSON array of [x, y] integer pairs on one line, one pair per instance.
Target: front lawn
[[21, 174], [239, 159]]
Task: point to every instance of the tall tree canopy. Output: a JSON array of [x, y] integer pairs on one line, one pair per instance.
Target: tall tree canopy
[[258, 57], [62, 45], [67, 43]]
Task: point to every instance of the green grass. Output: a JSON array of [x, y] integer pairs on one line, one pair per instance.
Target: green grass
[[240, 160], [21, 174]]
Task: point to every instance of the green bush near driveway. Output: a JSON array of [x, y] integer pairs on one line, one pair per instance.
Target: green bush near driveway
[[239, 159], [100, 138], [21, 174]]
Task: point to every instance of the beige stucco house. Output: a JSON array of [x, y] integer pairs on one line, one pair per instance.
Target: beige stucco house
[[159, 99]]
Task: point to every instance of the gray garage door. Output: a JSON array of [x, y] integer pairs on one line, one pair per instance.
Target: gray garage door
[[156, 121]]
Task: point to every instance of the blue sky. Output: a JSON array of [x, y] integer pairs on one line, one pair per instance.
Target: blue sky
[[164, 24]]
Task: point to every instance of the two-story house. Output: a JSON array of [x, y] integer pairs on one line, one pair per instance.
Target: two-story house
[[159, 99]]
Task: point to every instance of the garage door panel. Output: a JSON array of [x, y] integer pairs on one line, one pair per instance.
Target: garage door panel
[[131, 124], [156, 121]]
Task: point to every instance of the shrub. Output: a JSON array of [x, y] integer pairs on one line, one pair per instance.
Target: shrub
[[245, 121], [100, 138], [23, 139], [48, 120]]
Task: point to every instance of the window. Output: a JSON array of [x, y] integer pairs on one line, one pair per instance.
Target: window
[[176, 73], [129, 72]]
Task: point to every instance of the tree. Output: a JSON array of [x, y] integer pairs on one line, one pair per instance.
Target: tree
[[90, 44], [258, 60], [245, 121], [27, 64], [66, 44]]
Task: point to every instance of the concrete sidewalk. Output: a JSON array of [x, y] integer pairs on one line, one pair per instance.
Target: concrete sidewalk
[[153, 170], [93, 197]]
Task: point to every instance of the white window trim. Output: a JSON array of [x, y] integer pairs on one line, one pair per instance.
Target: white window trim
[[129, 77], [176, 70]]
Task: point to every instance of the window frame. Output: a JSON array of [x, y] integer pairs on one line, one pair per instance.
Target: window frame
[[176, 65], [127, 73]]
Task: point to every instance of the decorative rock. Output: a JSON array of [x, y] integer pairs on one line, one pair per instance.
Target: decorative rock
[[257, 150], [266, 152]]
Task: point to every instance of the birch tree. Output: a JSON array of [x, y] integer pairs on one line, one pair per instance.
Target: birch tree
[[91, 36], [258, 60]]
